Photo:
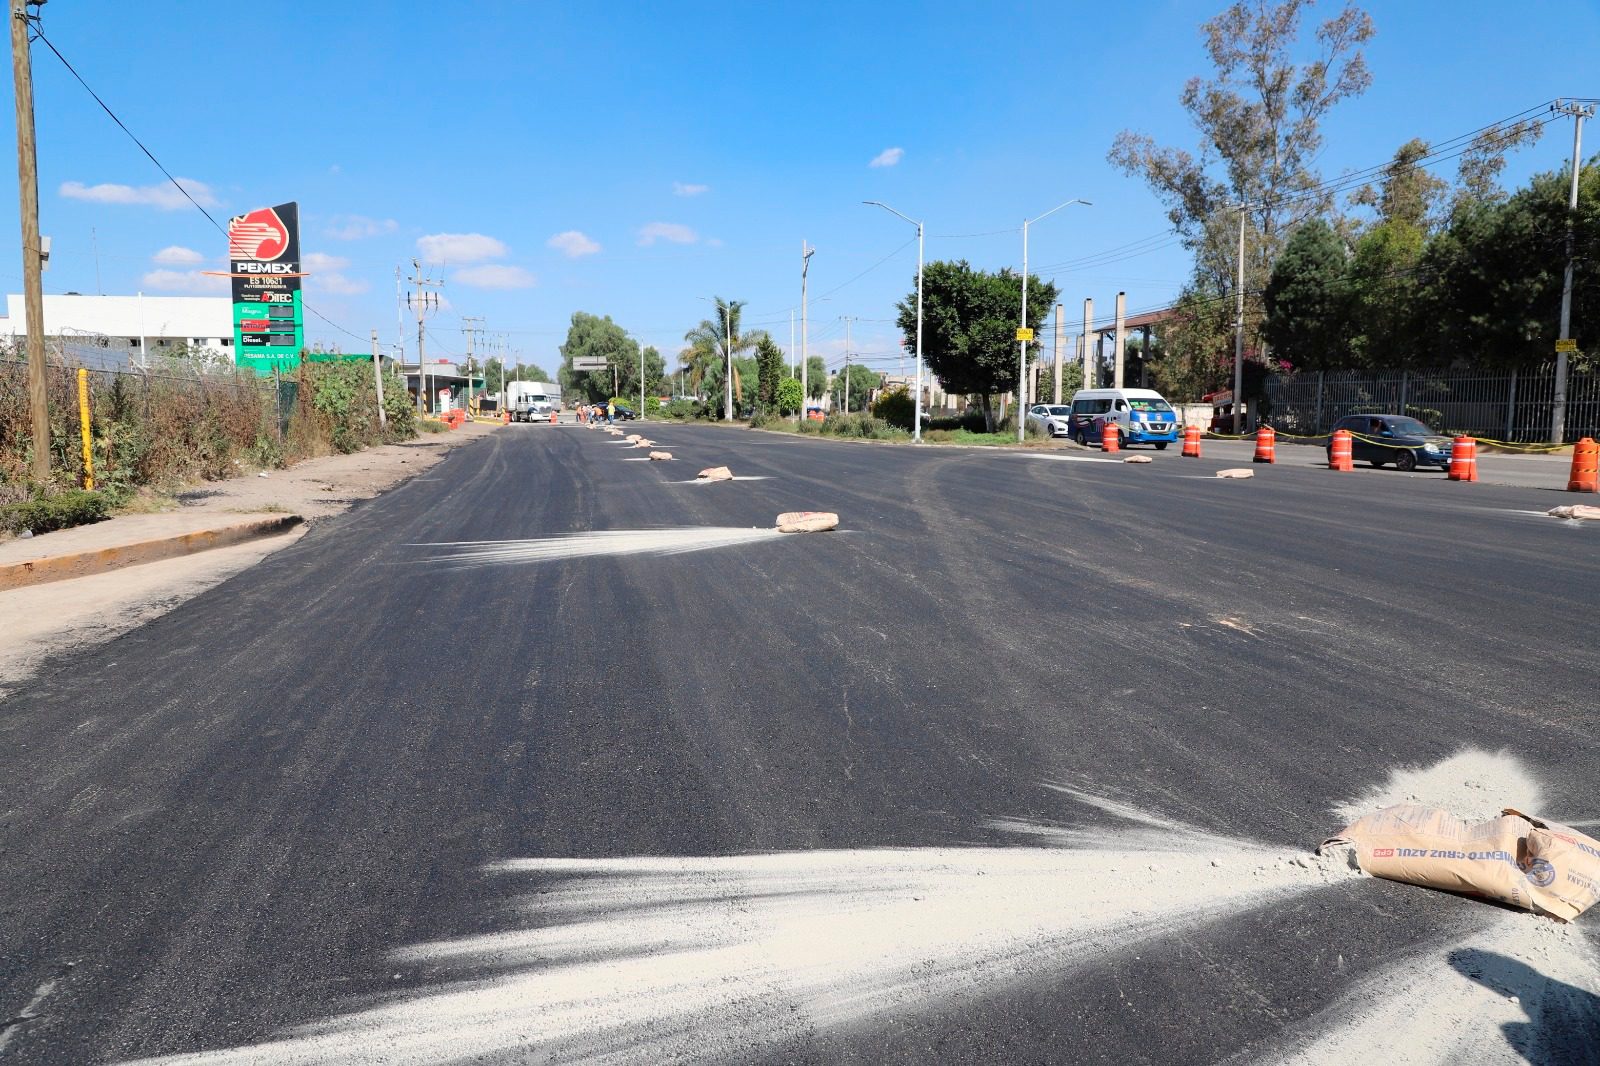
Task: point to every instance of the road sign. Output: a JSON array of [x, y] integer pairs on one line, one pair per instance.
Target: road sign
[[594, 363], [1024, 334], [1569, 345]]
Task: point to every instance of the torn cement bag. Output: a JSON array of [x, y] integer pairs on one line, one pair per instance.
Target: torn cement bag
[[1138, 459], [1576, 510], [634, 436], [661, 455], [807, 521], [642, 443], [715, 473], [1516, 860], [1236, 472]]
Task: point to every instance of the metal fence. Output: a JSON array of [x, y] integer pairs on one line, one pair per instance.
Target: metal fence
[[1511, 405]]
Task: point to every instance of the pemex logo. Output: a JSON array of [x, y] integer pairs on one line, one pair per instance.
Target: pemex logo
[[260, 234]]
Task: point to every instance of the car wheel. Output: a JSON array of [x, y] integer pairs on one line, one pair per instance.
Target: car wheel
[[1406, 461], [1161, 445], [1080, 439]]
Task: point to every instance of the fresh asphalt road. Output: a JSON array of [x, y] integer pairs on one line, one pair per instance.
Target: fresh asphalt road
[[224, 824]]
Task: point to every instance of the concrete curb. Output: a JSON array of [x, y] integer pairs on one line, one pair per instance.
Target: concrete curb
[[99, 560]]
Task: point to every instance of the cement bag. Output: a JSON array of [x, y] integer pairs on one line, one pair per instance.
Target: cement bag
[[634, 436], [1138, 459], [1236, 472], [1576, 510], [661, 455], [715, 473], [1492, 860], [807, 521], [642, 443]]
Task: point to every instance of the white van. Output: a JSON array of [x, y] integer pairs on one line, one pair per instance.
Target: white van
[[1142, 415]]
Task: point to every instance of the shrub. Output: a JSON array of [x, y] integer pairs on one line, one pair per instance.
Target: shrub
[[971, 421], [683, 409], [61, 511], [789, 396], [863, 426]]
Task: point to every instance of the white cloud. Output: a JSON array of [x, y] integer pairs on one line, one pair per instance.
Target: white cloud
[[492, 276], [174, 255], [888, 157], [666, 231], [164, 197], [460, 247], [189, 282], [325, 274], [316, 262], [355, 227], [681, 189], [574, 243]]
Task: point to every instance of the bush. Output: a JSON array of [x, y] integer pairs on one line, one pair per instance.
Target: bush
[[763, 419], [789, 396], [971, 421], [61, 511], [896, 407], [683, 409], [858, 425]]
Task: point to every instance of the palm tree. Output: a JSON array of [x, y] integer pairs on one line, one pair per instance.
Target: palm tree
[[708, 344]]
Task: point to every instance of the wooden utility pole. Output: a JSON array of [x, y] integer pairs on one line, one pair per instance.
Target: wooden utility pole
[[32, 260]]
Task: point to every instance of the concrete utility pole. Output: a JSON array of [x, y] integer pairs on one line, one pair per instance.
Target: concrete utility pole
[[727, 338], [32, 259], [806, 252], [471, 331], [1060, 350], [377, 377], [1238, 332], [1091, 379], [1558, 409], [1120, 371], [641, 381], [846, 389], [423, 302], [916, 424], [1022, 345]]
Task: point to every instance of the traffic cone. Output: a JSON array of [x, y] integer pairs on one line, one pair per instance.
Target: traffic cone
[[1108, 437], [554, 417], [1464, 459], [1339, 457], [1191, 442], [1266, 445], [1585, 467]]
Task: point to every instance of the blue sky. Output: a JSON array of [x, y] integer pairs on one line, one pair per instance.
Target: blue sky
[[686, 149]]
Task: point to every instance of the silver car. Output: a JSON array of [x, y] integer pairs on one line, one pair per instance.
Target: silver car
[[1054, 418]]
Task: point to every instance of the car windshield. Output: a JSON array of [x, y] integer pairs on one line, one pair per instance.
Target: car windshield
[[1409, 427], [1149, 405]]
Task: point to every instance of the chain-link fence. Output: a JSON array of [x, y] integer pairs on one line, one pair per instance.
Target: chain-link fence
[[1511, 405]]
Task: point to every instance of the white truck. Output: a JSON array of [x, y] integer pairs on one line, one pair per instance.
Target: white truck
[[532, 401]]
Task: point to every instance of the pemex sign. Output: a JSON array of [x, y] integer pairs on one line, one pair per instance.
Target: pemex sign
[[264, 264]]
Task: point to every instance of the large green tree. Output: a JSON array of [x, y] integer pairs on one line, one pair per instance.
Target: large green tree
[[704, 359], [769, 371], [970, 327], [860, 381], [594, 337], [1307, 300]]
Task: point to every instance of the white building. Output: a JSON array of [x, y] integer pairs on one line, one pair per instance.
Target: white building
[[127, 327]]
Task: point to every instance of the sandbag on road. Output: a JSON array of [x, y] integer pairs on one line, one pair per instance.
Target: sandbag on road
[[1524, 862], [715, 473], [807, 521]]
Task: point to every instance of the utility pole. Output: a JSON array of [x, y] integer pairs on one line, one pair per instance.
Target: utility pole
[[377, 376], [423, 302], [916, 419], [1060, 346], [846, 363], [727, 337], [641, 381], [32, 259], [471, 331], [1091, 376], [1558, 409], [806, 252], [1238, 332]]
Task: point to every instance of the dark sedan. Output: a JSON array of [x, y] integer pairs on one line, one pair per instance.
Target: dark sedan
[[1398, 439]]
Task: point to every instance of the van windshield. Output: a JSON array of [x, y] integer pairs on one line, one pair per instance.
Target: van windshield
[[1142, 404]]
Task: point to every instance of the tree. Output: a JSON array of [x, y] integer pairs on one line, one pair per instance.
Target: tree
[[1306, 300], [769, 371], [1382, 289], [816, 376], [970, 324], [789, 397], [593, 337], [1407, 193], [708, 344], [860, 381], [896, 407], [1196, 351]]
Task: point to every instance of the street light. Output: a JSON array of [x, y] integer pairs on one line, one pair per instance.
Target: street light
[[916, 425], [1022, 345], [806, 252]]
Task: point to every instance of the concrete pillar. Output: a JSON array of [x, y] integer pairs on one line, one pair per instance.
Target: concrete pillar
[[1144, 361], [1060, 350], [1122, 340], [1090, 378]]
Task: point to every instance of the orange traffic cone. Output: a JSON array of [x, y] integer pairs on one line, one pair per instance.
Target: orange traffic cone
[[1585, 467], [1339, 457], [1464, 459], [1266, 445], [553, 418], [1108, 437], [505, 417], [1191, 442]]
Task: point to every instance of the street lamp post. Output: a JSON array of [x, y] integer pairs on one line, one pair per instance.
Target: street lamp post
[[806, 252], [1022, 345], [916, 425]]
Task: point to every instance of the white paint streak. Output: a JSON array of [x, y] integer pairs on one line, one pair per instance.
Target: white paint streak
[[1471, 784], [664, 959], [1519, 991], [581, 545], [1066, 458]]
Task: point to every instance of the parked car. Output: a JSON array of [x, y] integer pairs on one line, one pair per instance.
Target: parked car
[[1399, 439], [1143, 416], [1054, 418]]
